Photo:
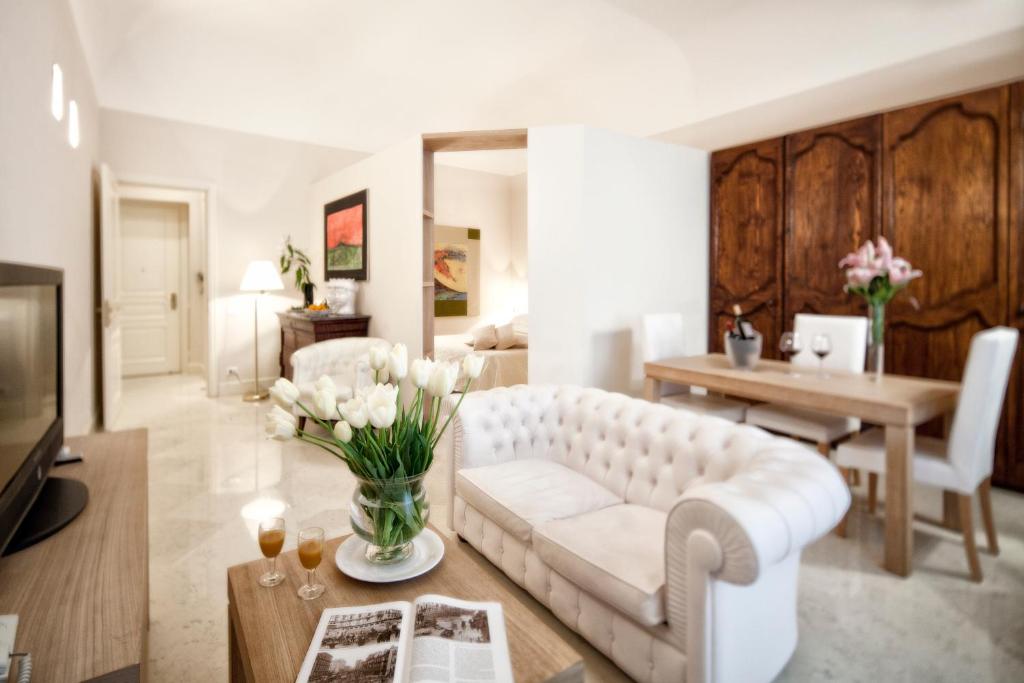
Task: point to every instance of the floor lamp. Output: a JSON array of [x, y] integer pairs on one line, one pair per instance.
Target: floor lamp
[[260, 277]]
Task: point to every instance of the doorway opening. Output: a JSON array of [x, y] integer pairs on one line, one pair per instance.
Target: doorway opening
[[475, 251], [154, 269]]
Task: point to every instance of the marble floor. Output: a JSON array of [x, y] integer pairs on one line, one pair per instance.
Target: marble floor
[[212, 476]]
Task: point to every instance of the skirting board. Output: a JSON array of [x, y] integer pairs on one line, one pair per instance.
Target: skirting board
[[233, 387]]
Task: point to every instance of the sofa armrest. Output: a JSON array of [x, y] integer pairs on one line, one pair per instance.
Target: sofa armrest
[[736, 530]]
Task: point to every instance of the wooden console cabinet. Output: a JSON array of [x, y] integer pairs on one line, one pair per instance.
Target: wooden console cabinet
[[300, 329], [82, 595]]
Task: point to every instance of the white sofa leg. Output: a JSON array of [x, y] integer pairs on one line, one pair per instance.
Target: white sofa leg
[[703, 556]]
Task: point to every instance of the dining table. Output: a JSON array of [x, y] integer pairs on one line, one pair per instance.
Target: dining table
[[896, 403]]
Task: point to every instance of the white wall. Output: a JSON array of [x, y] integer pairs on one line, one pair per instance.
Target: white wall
[[496, 204], [393, 291], [46, 187], [618, 227], [974, 65], [261, 189]]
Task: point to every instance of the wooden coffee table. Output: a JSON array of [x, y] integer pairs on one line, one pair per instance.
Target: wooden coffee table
[[270, 629]]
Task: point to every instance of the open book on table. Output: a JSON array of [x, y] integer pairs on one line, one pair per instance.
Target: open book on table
[[433, 638]]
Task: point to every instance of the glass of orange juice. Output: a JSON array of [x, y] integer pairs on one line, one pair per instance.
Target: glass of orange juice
[[311, 552], [271, 542]]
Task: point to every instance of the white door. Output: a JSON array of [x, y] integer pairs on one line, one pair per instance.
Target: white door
[[153, 241], [109, 317]]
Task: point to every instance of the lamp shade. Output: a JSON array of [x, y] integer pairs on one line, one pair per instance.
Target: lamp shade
[[261, 276]]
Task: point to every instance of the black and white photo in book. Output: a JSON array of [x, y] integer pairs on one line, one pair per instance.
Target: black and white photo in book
[[359, 645], [344, 666], [433, 639], [442, 620], [362, 628]]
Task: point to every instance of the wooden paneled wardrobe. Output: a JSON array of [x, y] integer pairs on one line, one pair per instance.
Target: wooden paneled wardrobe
[[942, 181]]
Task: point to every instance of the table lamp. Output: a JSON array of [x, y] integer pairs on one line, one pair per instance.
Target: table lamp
[[260, 277]]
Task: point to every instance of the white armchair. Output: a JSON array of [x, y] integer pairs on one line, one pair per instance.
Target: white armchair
[[669, 540], [345, 360]]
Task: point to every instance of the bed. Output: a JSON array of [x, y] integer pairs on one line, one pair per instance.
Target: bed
[[501, 368]]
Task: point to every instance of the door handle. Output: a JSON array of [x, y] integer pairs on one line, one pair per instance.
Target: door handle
[[174, 301]]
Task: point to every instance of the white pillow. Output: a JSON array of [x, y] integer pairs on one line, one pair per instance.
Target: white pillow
[[485, 337], [506, 336], [521, 323], [522, 340]]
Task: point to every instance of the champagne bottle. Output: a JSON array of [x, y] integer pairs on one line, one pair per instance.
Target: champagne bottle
[[739, 320]]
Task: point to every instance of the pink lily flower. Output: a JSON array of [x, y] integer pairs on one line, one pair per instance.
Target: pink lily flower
[[885, 258], [862, 258], [901, 272], [860, 277]]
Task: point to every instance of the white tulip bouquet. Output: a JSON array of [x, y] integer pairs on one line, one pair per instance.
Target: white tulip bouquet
[[388, 446]]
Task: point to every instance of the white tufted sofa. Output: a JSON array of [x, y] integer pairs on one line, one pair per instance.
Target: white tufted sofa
[[671, 541]]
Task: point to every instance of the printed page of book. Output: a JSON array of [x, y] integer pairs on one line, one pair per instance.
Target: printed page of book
[[370, 643], [459, 642]]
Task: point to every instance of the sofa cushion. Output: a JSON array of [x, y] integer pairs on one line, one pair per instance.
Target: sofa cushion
[[617, 554], [520, 494]]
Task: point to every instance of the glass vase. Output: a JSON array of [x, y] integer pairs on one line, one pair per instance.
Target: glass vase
[[388, 514], [876, 342]]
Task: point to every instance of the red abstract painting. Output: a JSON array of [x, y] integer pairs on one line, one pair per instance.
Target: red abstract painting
[[345, 228], [345, 237]]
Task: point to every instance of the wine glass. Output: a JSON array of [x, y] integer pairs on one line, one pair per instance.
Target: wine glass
[[311, 551], [821, 345], [271, 542], [791, 344]]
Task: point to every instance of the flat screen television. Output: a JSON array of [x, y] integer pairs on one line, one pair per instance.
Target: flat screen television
[[32, 505]]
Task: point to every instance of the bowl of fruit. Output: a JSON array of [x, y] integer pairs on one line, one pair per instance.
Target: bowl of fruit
[[318, 309]]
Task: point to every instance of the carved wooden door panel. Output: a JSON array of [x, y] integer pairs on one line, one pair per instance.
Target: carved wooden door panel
[[1009, 470], [746, 240], [945, 184], [833, 204]]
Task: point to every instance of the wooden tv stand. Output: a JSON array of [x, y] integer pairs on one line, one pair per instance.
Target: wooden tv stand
[[82, 595]]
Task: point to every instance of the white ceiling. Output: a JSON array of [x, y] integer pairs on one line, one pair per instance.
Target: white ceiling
[[363, 74]]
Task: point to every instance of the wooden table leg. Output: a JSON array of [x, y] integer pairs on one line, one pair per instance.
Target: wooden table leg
[[652, 389], [899, 504], [236, 670]]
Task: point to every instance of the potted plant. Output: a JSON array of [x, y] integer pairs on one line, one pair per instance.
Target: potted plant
[[387, 445], [875, 274], [292, 256]]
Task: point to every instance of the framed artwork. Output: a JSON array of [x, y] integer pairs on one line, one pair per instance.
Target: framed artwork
[[345, 237], [456, 271]]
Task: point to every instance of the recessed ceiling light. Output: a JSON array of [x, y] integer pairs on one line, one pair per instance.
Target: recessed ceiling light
[[57, 93], [74, 136]]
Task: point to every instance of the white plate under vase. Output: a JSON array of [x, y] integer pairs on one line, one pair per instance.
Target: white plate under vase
[[427, 551]]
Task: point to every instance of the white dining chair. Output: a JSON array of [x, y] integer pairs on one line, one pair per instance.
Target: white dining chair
[[848, 335], [663, 336], [963, 463]]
